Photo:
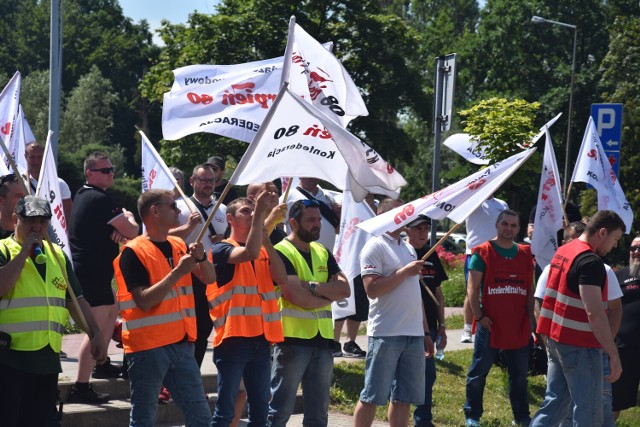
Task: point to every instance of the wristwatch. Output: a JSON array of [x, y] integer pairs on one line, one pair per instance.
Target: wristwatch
[[312, 288]]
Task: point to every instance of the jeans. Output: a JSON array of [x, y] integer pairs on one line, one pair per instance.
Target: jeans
[[517, 362], [573, 373], [174, 366], [422, 414], [293, 364], [237, 358]]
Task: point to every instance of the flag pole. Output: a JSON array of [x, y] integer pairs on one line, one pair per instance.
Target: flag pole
[[439, 242], [288, 52], [286, 192], [14, 167]]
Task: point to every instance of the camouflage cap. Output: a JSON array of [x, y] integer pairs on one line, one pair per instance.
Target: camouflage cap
[[33, 207]]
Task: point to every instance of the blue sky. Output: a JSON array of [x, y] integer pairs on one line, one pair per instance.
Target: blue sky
[[176, 11]]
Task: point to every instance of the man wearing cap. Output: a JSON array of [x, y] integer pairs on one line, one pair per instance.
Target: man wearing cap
[[34, 306], [97, 226], [192, 216], [397, 330], [218, 164], [10, 192], [433, 275], [154, 274], [501, 298]]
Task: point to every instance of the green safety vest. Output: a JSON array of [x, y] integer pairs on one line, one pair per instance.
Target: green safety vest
[[298, 322], [34, 311]]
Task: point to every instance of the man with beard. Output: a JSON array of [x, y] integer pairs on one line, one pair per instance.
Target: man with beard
[[625, 390], [501, 298], [314, 280]]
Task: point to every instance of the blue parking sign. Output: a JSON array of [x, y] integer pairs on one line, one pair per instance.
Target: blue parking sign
[[608, 121]]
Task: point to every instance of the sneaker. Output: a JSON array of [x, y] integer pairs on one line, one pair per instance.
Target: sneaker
[[337, 349], [106, 370], [88, 396], [63, 355], [470, 422], [352, 349], [466, 337], [164, 395]]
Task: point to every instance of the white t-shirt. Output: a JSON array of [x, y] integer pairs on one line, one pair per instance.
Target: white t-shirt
[[481, 224], [614, 291], [399, 312], [65, 192], [327, 231], [219, 222]]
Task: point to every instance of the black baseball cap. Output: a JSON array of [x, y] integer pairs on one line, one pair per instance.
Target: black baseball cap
[[419, 220], [216, 161]]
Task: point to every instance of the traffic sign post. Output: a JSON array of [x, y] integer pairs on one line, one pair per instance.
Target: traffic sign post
[[608, 121]]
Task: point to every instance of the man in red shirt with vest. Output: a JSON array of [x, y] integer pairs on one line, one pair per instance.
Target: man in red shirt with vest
[[155, 298], [501, 298], [244, 307], [574, 320]]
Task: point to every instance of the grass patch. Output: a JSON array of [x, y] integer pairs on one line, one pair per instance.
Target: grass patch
[[449, 393], [454, 289], [455, 321]]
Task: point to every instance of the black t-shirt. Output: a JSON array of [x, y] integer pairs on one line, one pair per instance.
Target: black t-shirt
[[220, 253], [630, 325], [5, 233], [89, 232], [333, 268], [587, 269], [134, 272], [433, 275]]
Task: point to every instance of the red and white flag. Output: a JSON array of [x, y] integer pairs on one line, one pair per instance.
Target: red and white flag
[[548, 219], [349, 244], [594, 168], [297, 139], [49, 189], [9, 112], [155, 173], [455, 202], [315, 74]]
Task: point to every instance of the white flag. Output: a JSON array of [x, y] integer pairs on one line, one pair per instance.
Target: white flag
[[594, 168], [27, 133], [18, 145], [548, 219], [298, 140], [455, 202], [155, 173], [318, 77], [349, 244], [3, 169], [9, 106], [49, 189], [465, 146]]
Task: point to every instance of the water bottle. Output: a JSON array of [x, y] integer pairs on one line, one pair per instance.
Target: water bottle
[[439, 350]]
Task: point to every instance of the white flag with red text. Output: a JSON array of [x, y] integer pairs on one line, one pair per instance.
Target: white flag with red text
[[594, 168], [155, 173], [455, 202], [9, 111], [548, 219], [49, 189], [318, 77], [349, 244], [299, 140]]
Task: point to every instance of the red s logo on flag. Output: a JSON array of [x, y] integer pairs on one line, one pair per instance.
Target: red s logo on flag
[[6, 128], [477, 184], [593, 154]]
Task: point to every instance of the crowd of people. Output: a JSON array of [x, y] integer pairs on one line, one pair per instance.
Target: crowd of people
[[259, 281]]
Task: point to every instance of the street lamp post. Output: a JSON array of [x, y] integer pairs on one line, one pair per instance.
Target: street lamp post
[[540, 20]]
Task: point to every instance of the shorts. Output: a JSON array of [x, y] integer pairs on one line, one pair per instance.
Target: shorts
[[625, 390], [96, 287], [394, 369], [361, 302]]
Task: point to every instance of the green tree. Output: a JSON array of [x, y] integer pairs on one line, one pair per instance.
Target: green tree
[[88, 115], [34, 97]]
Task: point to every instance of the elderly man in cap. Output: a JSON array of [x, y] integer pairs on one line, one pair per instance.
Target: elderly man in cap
[[217, 164], [34, 306]]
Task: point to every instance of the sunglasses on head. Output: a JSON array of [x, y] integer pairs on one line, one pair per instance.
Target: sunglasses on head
[[105, 171], [306, 203], [8, 178]]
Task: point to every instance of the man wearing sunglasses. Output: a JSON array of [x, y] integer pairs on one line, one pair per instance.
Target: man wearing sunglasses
[[625, 390], [98, 225], [314, 281], [10, 192]]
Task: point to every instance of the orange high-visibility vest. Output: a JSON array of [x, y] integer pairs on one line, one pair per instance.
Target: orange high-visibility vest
[[247, 306], [171, 320]]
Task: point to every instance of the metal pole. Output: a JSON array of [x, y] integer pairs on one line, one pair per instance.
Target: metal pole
[[437, 130], [568, 153], [55, 73]]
